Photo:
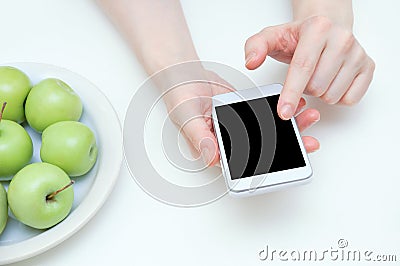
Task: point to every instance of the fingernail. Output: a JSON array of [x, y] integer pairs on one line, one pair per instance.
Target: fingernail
[[317, 119], [286, 111], [250, 57], [314, 122], [206, 156]]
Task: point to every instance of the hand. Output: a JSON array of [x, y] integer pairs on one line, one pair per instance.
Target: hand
[[326, 61], [189, 107]]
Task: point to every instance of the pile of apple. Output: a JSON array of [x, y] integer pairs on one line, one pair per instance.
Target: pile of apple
[[40, 194]]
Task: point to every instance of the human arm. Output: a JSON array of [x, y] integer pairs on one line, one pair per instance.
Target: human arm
[[158, 33]]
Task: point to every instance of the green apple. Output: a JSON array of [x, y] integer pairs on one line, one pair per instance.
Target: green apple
[[71, 146], [51, 101], [3, 208], [40, 195], [16, 147], [14, 88]]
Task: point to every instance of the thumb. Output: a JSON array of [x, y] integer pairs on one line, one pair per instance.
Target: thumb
[[202, 139], [270, 41]]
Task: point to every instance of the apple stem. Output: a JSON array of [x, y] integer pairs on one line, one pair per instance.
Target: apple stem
[[2, 110], [52, 195]]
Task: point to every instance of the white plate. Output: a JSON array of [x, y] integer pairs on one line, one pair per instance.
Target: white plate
[[18, 241]]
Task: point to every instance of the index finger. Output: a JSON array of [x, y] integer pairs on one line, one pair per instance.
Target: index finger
[[309, 48]]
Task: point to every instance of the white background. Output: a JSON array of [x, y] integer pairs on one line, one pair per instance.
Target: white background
[[354, 194]]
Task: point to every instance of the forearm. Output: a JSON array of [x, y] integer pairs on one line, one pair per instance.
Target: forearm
[[340, 11], [156, 31]]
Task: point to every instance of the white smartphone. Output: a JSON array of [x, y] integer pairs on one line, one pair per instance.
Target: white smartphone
[[259, 151]]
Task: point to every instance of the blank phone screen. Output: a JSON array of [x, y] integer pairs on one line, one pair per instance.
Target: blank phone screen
[[256, 141]]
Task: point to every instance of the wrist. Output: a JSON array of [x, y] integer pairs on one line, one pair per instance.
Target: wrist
[[175, 72], [338, 11], [156, 58]]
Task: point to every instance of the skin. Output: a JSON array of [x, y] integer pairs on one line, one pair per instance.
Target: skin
[[308, 44], [14, 88], [325, 59], [3, 208], [16, 148], [27, 195], [69, 145], [51, 101]]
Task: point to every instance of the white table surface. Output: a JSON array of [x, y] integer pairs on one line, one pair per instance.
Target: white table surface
[[354, 194]]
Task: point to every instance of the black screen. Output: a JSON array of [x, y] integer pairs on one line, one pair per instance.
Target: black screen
[[256, 140]]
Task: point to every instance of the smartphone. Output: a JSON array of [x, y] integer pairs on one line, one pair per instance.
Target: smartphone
[[259, 152]]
